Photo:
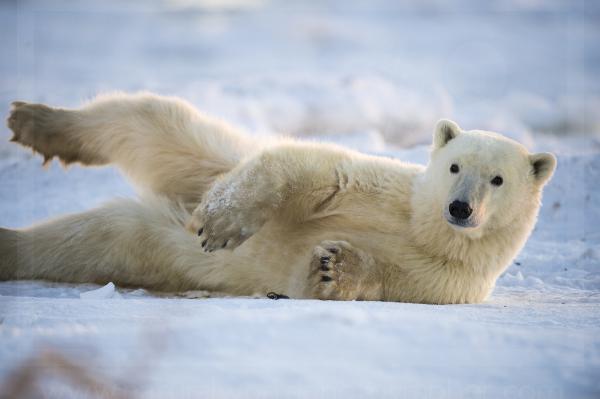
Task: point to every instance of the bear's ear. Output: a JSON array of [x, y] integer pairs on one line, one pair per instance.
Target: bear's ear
[[445, 130], [542, 166]]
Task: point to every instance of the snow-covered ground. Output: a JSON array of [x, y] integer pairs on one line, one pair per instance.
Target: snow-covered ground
[[371, 75]]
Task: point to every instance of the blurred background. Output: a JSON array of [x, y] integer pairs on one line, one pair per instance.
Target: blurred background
[[378, 72]]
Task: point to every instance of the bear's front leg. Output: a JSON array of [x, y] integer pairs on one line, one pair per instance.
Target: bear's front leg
[[292, 181], [232, 211], [339, 271]]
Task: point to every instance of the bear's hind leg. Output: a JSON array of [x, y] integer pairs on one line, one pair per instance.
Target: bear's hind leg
[[162, 143], [126, 242], [46, 130], [8, 253]]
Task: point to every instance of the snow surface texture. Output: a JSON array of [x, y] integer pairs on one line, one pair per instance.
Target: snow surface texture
[[374, 76]]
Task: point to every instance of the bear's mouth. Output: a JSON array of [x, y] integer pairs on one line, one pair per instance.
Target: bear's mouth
[[461, 223]]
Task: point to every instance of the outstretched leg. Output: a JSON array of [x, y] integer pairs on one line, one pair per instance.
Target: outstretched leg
[[162, 143], [129, 243]]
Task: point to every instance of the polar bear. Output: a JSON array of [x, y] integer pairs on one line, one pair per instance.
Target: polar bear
[[223, 212]]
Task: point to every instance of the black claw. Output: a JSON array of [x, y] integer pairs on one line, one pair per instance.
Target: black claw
[[326, 278], [204, 243], [275, 296], [225, 243], [200, 231]]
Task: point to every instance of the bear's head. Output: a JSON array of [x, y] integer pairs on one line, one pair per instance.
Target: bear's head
[[482, 181]]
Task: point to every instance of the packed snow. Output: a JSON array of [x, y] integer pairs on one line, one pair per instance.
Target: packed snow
[[374, 76]]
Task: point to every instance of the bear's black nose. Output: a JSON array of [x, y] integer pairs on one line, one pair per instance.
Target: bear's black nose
[[460, 210]]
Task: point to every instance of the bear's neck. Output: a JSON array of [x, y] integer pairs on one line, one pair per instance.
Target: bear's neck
[[461, 259]]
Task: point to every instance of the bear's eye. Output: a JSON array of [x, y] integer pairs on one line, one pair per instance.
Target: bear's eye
[[497, 181], [454, 168]]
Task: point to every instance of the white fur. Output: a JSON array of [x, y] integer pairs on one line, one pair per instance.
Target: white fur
[[302, 219]]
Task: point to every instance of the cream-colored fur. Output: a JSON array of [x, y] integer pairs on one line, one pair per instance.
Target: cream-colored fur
[[222, 212]]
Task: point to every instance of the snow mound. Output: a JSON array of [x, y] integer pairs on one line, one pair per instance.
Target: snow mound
[[107, 292]]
